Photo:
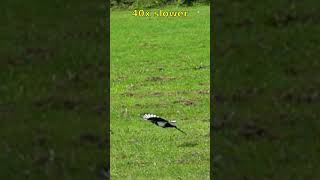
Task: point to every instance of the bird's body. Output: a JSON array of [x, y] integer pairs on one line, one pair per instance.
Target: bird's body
[[160, 121]]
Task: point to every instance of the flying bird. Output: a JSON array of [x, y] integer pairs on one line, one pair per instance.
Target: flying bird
[[160, 121]]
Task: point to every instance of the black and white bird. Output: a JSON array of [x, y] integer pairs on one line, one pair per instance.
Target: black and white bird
[[160, 121]]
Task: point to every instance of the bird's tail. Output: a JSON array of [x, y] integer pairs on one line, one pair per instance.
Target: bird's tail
[[180, 130]]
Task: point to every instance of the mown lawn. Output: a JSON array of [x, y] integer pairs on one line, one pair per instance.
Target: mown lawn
[[160, 65], [266, 87]]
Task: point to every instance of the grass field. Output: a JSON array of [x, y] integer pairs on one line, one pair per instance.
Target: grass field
[[266, 87], [53, 85], [160, 65]]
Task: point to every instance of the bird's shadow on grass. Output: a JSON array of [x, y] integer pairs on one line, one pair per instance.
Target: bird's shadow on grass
[[188, 144]]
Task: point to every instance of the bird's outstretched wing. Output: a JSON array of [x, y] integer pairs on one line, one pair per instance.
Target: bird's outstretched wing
[[160, 121], [147, 116], [154, 119]]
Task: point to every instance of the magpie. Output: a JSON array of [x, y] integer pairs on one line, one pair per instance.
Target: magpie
[[160, 121]]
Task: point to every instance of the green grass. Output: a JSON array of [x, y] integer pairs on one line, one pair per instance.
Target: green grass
[[266, 84], [53, 73], [160, 65]]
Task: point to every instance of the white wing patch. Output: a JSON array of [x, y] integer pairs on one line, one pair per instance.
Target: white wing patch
[[161, 123], [147, 116], [173, 122]]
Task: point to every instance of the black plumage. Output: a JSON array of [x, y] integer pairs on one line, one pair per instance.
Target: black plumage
[[160, 121]]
